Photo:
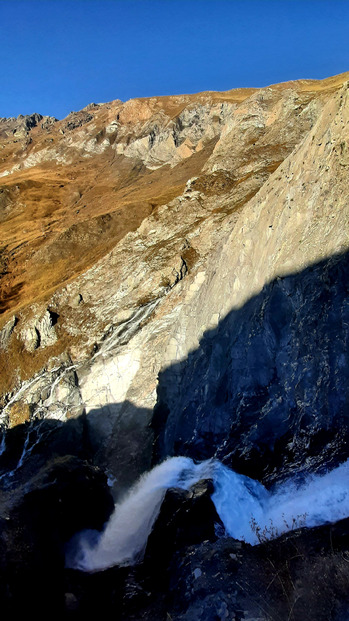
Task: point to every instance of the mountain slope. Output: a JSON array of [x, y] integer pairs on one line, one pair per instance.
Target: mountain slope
[[174, 282], [103, 178]]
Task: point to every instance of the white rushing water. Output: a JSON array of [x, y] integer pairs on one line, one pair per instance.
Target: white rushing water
[[248, 511], [125, 536], [246, 507]]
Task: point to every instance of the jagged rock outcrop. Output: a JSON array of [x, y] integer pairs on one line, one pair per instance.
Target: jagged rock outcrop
[[174, 275]]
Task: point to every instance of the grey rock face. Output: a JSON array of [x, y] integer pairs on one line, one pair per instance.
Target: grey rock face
[[40, 332], [77, 119], [6, 332], [267, 390], [217, 327], [190, 280], [166, 141], [23, 124]]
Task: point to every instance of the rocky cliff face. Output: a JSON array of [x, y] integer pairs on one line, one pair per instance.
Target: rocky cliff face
[[174, 281]]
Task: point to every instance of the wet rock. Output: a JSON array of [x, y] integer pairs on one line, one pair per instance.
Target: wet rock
[[185, 518], [276, 580], [28, 447]]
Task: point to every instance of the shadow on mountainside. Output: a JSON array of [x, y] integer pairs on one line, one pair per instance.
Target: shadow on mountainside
[[266, 392]]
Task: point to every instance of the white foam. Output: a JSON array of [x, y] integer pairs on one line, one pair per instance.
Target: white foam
[[248, 511], [125, 536]]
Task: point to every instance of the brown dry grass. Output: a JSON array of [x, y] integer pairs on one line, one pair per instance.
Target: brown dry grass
[[62, 219], [57, 220]]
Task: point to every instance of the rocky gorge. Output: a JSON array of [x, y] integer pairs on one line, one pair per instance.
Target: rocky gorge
[[174, 285]]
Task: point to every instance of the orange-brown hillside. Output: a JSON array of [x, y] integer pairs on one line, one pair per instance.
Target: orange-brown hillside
[[62, 207], [71, 191]]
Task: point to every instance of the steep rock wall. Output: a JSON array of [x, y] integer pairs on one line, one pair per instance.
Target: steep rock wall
[[269, 201], [197, 306]]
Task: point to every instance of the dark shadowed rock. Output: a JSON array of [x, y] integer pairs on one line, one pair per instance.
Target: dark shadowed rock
[[274, 373], [185, 518], [66, 496]]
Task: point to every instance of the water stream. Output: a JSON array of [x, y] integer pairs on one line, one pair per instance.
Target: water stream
[[247, 509]]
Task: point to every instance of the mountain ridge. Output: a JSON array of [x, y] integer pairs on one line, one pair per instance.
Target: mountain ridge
[[69, 221], [174, 283]]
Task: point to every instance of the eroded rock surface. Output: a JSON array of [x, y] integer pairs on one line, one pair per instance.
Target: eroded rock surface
[[174, 280]]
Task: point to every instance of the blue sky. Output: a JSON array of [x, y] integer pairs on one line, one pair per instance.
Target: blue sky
[[60, 55]]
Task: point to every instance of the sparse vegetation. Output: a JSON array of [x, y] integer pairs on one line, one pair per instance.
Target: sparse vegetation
[[305, 573], [270, 531]]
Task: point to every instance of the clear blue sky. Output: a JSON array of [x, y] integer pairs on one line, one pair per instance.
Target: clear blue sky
[[60, 55]]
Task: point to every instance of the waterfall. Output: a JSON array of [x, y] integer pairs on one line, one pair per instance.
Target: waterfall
[[251, 513], [247, 509], [125, 536]]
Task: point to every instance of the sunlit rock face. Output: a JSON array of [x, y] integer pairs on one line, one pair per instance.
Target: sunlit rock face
[[174, 282], [187, 254]]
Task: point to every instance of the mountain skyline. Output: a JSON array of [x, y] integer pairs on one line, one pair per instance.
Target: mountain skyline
[[59, 56]]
